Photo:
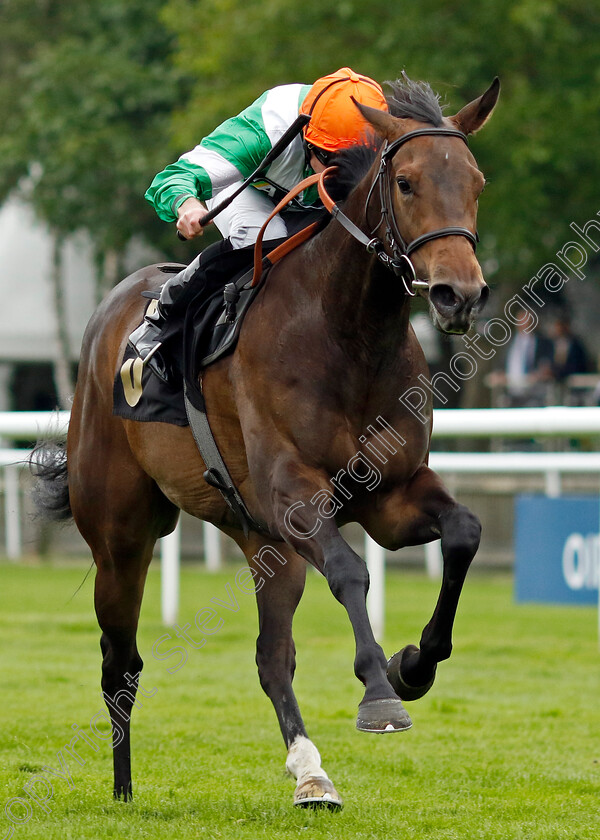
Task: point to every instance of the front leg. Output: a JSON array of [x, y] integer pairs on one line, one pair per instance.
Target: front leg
[[321, 544], [435, 514], [277, 598]]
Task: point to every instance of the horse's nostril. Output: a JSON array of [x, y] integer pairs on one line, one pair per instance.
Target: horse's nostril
[[482, 299], [445, 299]]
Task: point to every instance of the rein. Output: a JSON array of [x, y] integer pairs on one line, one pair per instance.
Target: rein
[[399, 262], [259, 262]]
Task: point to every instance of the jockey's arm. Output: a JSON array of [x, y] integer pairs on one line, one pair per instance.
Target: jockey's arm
[[189, 182], [225, 157]]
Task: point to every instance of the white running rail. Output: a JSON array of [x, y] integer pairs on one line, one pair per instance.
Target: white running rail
[[551, 421]]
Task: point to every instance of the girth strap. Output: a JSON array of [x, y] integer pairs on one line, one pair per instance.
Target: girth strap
[[217, 474]]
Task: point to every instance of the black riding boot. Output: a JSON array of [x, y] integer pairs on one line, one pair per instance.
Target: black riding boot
[[146, 339], [213, 265]]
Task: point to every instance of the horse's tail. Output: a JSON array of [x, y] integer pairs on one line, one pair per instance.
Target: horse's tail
[[50, 494]]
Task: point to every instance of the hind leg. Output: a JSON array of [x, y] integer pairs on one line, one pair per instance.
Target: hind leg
[[279, 575], [120, 512], [120, 579], [118, 596]]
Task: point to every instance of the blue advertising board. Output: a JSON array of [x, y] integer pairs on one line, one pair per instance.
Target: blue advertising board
[[557, 549]]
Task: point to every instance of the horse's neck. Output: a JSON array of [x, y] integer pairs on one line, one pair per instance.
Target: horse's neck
[[364, 303]]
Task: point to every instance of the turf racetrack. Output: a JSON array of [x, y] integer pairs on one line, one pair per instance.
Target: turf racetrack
[[504, 746]]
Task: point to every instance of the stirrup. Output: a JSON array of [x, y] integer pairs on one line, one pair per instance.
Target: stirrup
[[131, 380], [156, 363], [144, 340], [132, 370]]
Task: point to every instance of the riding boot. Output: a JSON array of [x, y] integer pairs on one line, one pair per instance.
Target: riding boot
[[146, 339]]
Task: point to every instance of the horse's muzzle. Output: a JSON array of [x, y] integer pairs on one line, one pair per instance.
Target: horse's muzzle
[[453, 311]]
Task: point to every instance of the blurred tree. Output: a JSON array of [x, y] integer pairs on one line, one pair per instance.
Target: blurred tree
[[86, 93], [539, 151], [92, 103]]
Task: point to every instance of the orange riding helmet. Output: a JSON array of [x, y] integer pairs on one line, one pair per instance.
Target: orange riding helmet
[[336, 122]]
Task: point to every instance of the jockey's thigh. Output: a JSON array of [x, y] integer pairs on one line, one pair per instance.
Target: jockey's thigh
[[243, 219]]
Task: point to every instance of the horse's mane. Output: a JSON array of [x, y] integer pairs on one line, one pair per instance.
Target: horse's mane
[[414, 101], [351, 166], [407, 100]]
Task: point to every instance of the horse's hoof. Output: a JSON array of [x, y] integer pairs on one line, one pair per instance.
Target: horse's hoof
[[394, 675], [123, 792], [316, 792], [382, 716]]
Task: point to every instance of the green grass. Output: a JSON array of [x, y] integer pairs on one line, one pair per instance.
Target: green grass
[[504, 746]]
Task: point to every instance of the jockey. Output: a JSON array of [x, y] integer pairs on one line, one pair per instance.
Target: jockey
[[205, 176]]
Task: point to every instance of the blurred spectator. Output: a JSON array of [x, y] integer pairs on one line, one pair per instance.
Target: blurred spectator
[[569, 355], [527, 373]]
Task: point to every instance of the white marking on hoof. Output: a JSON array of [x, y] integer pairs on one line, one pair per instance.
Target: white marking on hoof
[[303, 760], [314, 787]]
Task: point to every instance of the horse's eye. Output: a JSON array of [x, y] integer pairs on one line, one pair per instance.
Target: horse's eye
[[404, 186]]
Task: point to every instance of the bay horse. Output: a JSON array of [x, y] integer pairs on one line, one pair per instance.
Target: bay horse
[[306, 413]]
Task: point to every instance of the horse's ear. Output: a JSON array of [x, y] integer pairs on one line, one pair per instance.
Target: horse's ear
[[470, 118], [384, 124]]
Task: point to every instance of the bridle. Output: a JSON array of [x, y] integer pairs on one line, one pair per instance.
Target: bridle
[[398, 260]]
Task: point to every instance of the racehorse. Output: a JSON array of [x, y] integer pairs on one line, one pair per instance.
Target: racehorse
[[309, 417]]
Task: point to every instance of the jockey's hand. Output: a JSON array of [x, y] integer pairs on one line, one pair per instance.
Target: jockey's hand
[[189, 216]]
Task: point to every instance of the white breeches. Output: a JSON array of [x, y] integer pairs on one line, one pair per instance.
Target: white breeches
[[243, 219]]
